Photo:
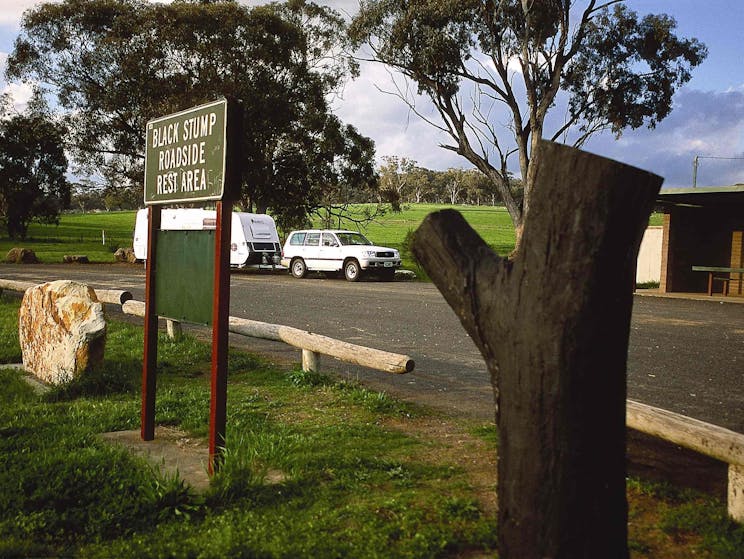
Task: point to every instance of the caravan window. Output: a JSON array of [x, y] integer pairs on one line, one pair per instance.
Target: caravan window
[[260, 229]]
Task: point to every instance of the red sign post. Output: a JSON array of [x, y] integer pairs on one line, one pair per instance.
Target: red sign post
[[192, 156], [220, 325]]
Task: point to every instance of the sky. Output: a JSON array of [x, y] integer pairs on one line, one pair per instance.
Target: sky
[[707, 120]]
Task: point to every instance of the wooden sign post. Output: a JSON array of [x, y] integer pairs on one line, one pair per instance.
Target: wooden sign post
[[220, 325], [552, 324], [191, 156]]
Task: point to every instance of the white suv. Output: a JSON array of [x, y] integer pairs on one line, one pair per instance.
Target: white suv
[[331, 250]]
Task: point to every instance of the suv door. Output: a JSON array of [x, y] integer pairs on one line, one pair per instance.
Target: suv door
[[311, 250], [330, 257]]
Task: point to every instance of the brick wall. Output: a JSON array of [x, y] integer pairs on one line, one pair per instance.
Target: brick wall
[[736, 286], [666, 259]]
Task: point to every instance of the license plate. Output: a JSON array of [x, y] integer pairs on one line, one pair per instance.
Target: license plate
[[388, 264]]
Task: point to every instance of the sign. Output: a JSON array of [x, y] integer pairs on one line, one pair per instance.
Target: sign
[[191, 156], [185, 155], [185, 269]]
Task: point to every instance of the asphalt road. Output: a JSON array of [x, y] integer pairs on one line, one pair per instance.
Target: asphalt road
[[685, 355]]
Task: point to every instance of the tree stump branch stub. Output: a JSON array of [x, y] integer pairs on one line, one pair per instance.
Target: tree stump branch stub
[[552, 323]]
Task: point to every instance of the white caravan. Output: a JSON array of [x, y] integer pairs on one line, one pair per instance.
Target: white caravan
[[254, 240]]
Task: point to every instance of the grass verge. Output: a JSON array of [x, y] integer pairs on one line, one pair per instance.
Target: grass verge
[[313, 467]]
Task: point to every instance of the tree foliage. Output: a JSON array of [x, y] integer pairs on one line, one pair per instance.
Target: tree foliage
[[115, 64], [409, 183], [494, 68], [33, 185]]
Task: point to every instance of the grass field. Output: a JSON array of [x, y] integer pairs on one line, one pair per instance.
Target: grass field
[[86, 233], [314, 468], [96, 235]]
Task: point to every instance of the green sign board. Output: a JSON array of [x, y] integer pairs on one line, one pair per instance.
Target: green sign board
[[185, 155], [185, 276]]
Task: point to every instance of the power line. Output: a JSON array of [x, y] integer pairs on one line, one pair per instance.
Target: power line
[[695, 165]]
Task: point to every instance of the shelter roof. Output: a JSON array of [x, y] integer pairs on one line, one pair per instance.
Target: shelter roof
[[702, 196]]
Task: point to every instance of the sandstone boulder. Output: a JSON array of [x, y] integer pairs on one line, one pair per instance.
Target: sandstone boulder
[[18, 255], [62, 330], [125, 255], [75, 259]]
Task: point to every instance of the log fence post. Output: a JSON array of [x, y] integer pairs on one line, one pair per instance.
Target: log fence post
[[310, 361], [174, 329]]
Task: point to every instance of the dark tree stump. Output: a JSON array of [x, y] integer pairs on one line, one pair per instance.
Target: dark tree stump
[[552, 324]]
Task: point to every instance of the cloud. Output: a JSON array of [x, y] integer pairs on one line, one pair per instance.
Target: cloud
[[20, 93], [371, 105], [12, 10], [708, 124]]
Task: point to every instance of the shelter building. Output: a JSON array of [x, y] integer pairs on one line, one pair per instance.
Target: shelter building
[[703, 227]]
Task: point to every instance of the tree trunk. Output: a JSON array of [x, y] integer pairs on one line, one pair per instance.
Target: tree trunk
[[552, 324]]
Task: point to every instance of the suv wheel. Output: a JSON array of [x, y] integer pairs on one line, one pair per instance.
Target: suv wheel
[[298, 268], [352, 271], [388, 274]]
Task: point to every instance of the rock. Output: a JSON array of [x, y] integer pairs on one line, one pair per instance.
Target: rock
[[75, 259], [18, 255], [125, 255], [405, 275], [62, 330]]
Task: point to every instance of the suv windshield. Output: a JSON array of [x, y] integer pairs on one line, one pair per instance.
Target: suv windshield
[[352, 239]]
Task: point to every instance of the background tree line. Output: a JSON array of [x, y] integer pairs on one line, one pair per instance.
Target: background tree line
[[112, 65], [403, 180]]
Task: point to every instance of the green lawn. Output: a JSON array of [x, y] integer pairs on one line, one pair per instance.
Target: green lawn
[[492, 223], [78, 233], [313, 468]]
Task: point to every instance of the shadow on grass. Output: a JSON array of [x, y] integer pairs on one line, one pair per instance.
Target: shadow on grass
[[112, 377]]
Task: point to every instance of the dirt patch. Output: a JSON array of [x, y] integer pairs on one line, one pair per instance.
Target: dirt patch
[[172, 451], [655, 459], [456, 446], [647, 540], [648, 457]]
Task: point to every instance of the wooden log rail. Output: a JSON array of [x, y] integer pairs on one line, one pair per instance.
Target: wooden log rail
[[312, 345], [111, 296], [711, 440]]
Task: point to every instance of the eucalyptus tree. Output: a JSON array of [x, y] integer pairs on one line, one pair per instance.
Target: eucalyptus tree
[[395, 173], [494, 69], [33, 166], [115, 64]]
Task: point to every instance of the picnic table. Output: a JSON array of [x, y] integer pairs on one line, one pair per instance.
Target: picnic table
[[715, 273]]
